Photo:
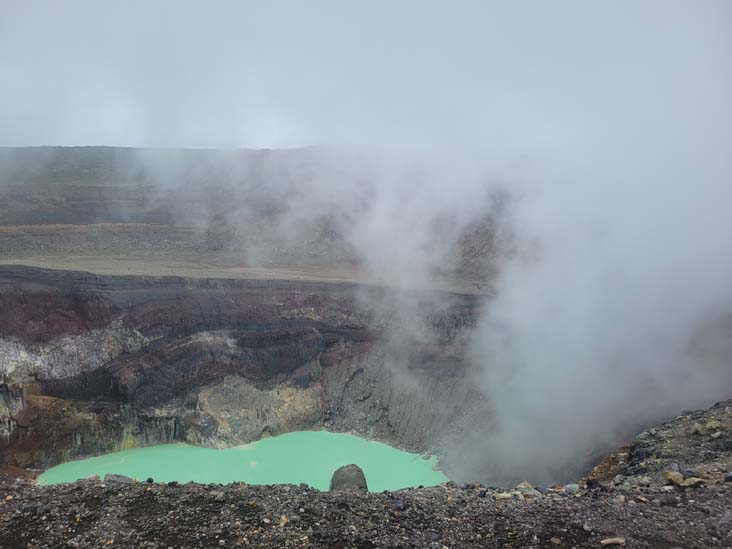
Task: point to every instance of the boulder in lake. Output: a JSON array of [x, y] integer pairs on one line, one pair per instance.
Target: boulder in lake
[[348, 477]]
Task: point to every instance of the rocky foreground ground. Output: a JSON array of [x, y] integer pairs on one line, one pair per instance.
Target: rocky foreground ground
[[670, 487]]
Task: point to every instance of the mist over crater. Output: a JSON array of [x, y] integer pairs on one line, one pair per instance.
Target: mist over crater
[[515, 329], [497, 233]]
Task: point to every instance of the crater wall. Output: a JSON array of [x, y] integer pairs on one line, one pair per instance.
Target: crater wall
[[92, 363]]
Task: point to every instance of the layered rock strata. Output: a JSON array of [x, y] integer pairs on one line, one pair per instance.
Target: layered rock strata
[[91, 363]]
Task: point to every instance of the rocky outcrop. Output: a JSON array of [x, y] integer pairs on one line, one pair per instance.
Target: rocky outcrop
[[11, 403], [96, 363], [693, 448]]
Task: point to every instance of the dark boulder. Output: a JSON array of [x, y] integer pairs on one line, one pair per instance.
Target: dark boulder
[[120, 479], [348, 477]]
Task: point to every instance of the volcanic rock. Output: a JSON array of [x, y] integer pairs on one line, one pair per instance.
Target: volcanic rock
[[348, 477], [118, 479]]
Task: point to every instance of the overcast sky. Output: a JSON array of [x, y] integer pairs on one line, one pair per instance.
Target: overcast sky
[[476, 75]]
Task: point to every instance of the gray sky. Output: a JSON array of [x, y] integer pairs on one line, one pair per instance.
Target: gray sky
[[517, 76]]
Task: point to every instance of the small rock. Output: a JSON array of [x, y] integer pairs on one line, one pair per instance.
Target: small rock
[[119, 479], [556, 541], [503, 495], [712, 425], [612, 541], [222, 542], [673, 477], [8, 498], [149, 480], [571, 488], [717, 435], [693, 482], [527, 490], [691, 473], [725, 519], [697, 429]]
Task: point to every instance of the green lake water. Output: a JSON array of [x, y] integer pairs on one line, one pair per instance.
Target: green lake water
[[304, 456]]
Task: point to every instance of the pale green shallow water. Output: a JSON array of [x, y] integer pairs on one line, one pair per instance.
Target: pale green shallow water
[[305, 456]]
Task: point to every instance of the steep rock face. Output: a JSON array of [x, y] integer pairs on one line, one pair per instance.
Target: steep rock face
[[403, 404], [96, 363], [68, 355], [11, 403]]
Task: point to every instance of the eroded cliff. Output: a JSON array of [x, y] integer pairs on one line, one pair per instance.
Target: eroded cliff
[[94, 363]]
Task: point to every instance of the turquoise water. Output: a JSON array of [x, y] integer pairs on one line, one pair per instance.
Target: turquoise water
[[305, 456]]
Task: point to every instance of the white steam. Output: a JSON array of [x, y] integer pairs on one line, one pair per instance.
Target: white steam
[[615, 310]]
